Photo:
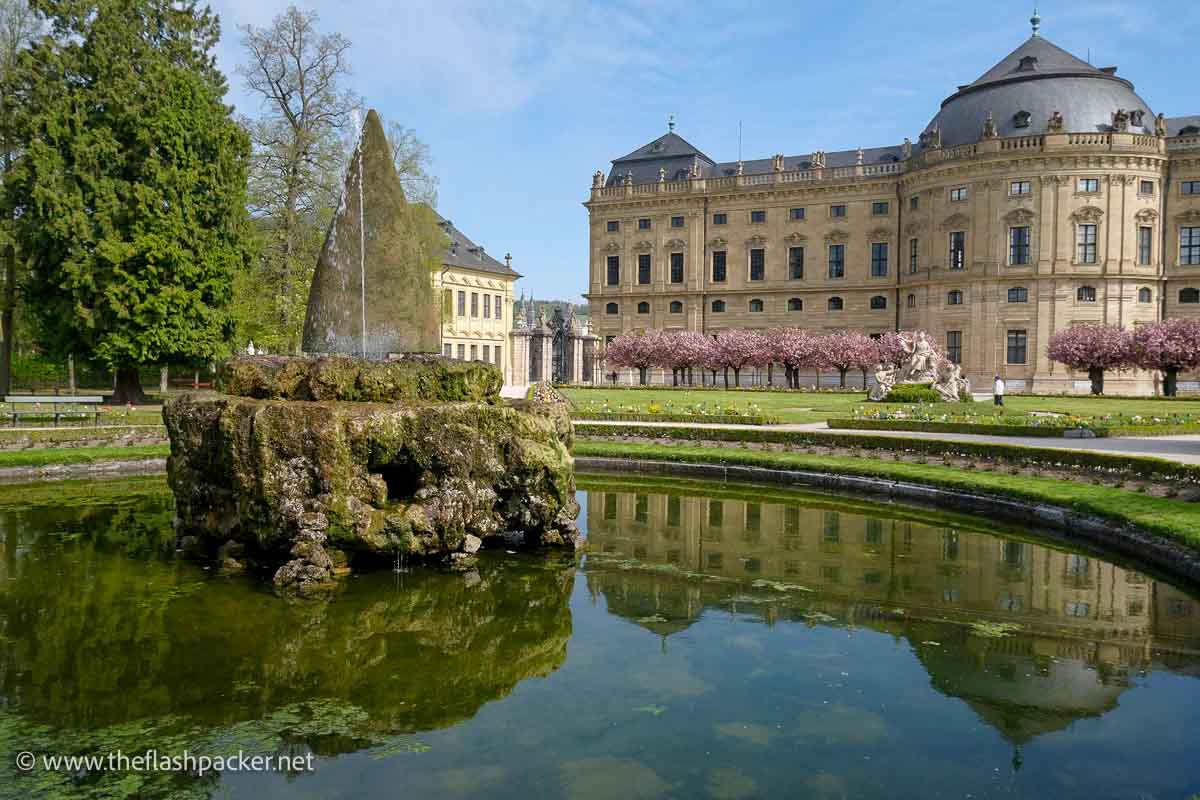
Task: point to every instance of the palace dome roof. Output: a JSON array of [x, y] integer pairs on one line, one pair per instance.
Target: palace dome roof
[[1031, 83]]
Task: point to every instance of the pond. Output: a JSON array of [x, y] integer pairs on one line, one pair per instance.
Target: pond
[[716, 641]]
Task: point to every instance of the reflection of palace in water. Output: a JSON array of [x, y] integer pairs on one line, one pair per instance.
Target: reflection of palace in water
[[1086, 624]]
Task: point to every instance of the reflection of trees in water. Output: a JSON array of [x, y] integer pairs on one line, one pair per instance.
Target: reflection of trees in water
[[142, 651], [661, 559]]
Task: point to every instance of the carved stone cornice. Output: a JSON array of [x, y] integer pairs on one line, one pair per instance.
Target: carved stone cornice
[[795, 237], [1019, 216], [955, 222], [757, 240], [915, 227], [643, 246], [1125, 180], [1146, 215], [881, 233], [1087, 214], [718, 242], [1191, 215], [612, 247], [674, 244], [837, 237]]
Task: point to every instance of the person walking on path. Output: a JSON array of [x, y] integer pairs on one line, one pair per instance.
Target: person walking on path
[[998, 391]]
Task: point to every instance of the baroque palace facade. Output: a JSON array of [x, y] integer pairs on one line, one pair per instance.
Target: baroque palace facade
[[1043, 194]]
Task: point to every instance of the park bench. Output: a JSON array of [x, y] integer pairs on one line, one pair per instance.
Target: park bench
[[83, 407]]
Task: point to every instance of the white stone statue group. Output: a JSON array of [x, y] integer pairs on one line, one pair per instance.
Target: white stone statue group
[[922, 365]]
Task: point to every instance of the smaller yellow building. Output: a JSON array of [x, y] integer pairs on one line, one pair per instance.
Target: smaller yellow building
[[477, 300]]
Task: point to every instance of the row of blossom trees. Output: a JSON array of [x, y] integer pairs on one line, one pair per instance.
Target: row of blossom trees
[[1171, 346], [794, 349]]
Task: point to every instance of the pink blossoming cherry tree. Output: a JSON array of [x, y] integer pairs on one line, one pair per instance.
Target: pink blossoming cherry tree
[[1093, 347], [1171, 346]]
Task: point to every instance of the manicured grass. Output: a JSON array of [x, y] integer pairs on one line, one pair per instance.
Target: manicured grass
[[1172, 518], [819, 406], [81, 455]]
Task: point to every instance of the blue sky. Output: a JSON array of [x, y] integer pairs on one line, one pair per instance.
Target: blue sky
[[521, 101]]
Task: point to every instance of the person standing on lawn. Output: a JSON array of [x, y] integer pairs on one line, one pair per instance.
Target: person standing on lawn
[[998, 391]]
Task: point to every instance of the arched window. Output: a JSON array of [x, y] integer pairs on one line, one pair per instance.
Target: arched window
[[878, 302], [795, 304], [756, 306], [1086, 294], [718, 306], [1145, 295], [836, 304], [643, 308], [912, 301], [1189, 295], [611, 308], [1018, 294], [954, 297], [1021, 119], [676, 307]]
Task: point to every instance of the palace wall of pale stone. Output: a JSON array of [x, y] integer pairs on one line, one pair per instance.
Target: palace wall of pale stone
[[981, 190]]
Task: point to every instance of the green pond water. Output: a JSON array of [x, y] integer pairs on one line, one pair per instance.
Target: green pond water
[[714, 642]]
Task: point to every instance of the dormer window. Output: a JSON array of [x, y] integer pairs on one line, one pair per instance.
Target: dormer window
[[1028, 64], [1189, 130], [1135, 117], [1021, 119]]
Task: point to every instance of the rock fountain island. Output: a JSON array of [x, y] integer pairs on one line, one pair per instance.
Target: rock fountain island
[[372, 448]]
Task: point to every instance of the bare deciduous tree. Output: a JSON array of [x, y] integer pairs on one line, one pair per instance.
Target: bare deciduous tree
[[413, 162]]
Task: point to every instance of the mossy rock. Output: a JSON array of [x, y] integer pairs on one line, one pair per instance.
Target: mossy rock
[[413, 378]]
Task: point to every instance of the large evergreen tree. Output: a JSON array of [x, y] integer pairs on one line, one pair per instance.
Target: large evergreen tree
[[131, 188]]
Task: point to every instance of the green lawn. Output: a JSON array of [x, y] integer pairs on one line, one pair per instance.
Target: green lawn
[[1176, 519], [819, 406], [81, 455]]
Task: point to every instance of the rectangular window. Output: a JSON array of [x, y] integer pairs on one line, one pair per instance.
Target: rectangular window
[[914, 203], [837, 211], [474, 352], [1017, 343], [1145, 244], [879, 208], [758, 264], [958, 250], [1189, 246], [614, 225], [676, 267], [720, 218], [614, 270], [914, 246], [475, 304], [837, 260], [1190, 187], [1089, 185], [1018, 245], [644, 224], [499, 307], [462, 352], [448, 350], [718, 266], [1146, 187], [462, 304], [797, 213], [758, 216], [487, 352], [1018, 294], [879, 259], [1085, 244], [796, 263], [954, 346], [496, 356], [1017, 188], [959, 193], [676, 222], [643, 268]]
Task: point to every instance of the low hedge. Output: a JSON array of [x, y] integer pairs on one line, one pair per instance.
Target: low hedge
[[658, 387], [1044, 431], [912, 393], [707, 419], [1111, 463]]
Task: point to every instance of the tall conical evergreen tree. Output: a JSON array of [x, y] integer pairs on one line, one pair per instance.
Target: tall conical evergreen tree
[[131, 188], [403, 245]]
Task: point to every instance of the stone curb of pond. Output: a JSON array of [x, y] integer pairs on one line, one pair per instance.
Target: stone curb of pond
[[94, 469], [1128, 540]]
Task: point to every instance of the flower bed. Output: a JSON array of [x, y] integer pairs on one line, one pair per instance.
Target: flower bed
[[991, 429], [747, 414]]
